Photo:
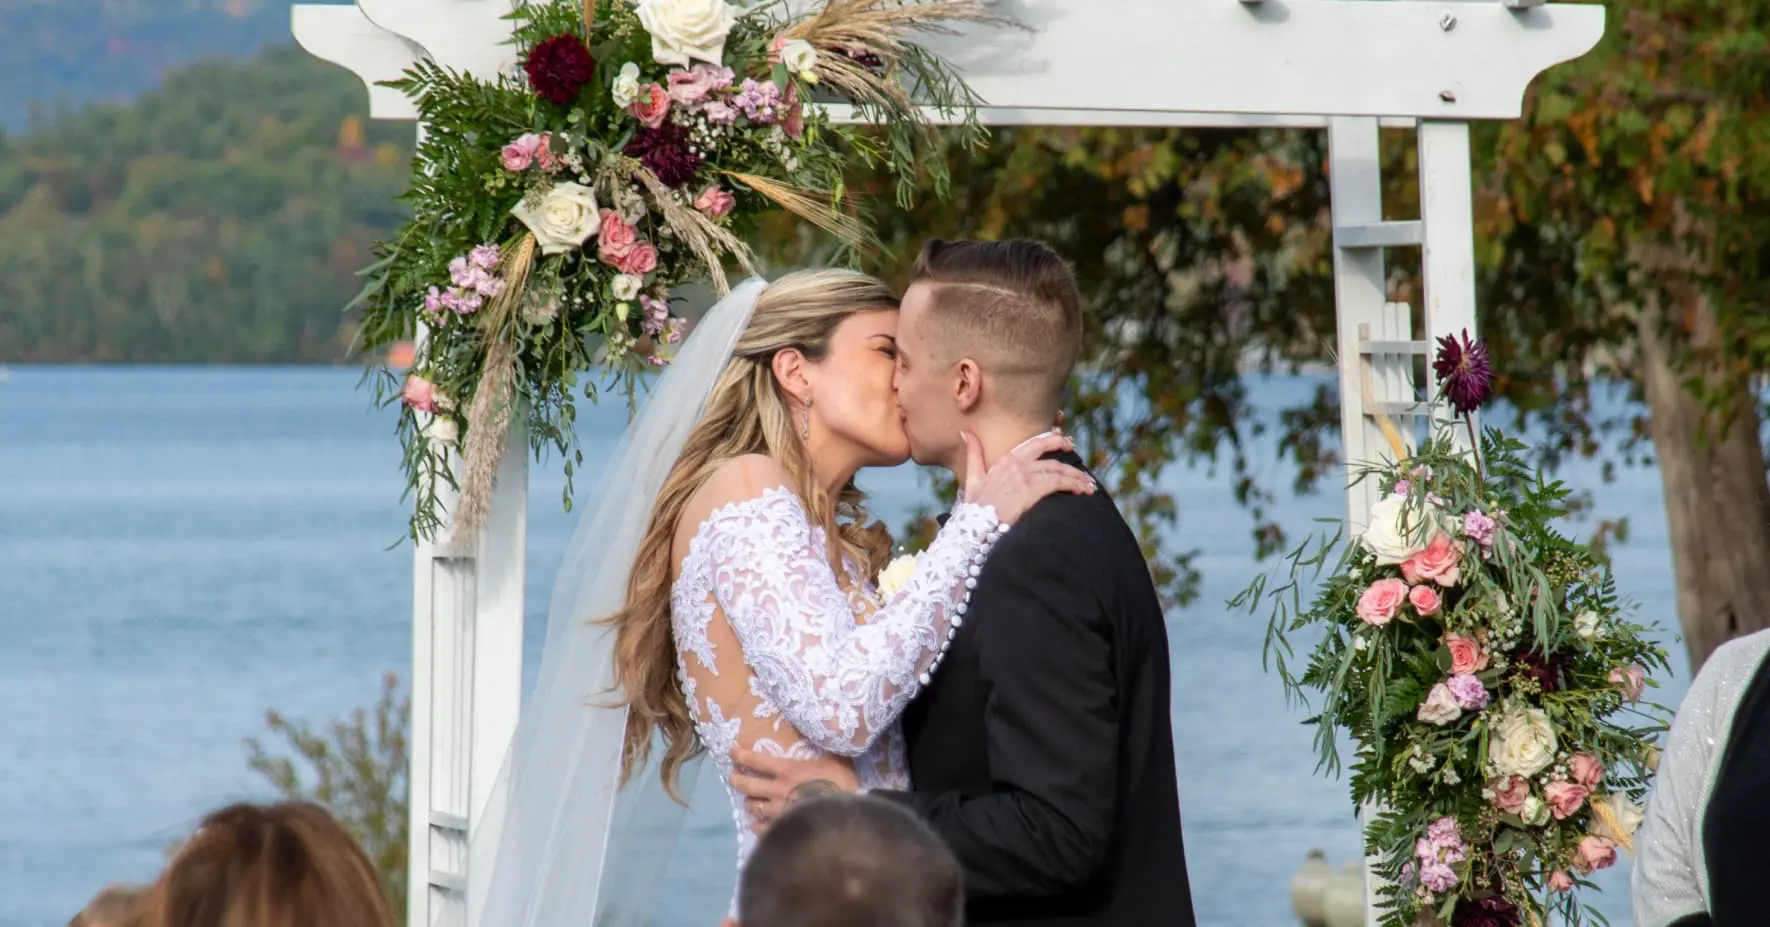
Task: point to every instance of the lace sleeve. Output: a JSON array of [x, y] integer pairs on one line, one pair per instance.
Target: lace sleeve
[[840, 683]]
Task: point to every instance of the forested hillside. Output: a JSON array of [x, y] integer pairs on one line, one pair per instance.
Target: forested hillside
[[219, 218]]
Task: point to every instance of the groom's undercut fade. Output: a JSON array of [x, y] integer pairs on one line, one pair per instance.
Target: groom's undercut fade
[[850, 861], [1011, 305]]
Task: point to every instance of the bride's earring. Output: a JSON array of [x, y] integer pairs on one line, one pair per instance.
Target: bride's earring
[[805, 423]]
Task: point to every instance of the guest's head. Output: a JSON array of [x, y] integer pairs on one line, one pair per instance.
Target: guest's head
[[850, 861], [284, 865], [111, 907]]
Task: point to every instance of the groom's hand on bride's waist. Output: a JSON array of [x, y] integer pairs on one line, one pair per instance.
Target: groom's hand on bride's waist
[[771, 783]]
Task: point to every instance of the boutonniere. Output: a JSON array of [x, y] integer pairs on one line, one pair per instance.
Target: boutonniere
[[896, 574]]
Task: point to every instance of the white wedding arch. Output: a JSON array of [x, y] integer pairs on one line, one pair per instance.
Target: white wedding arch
[[1344, 66]]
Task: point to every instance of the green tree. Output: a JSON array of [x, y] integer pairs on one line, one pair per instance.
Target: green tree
[[1622, 241], [358, 768], [219, 219]]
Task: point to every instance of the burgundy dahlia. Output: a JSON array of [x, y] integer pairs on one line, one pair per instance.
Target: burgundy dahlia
[[559, 68], [1488, 912], [664, 151], [1548, 673], [1464, 372]]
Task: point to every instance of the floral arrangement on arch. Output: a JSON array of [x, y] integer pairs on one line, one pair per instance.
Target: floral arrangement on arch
[[1482, 665], [554, 208]]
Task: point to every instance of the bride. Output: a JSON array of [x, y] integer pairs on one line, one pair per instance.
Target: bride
[[723, 588]]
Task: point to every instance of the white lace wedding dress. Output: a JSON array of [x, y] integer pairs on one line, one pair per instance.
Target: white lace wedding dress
[[779, 657]]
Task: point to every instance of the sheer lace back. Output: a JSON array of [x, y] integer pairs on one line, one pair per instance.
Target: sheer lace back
[[777, 655]]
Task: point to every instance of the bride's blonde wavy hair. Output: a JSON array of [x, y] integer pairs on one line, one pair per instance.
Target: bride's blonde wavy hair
[[746, 413]]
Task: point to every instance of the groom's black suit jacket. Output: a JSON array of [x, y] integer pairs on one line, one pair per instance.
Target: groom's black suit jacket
[[1043, 751]]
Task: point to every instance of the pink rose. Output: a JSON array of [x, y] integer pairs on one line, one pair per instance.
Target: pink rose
[[1437, 563], [652, 106], [518, 157], [1632, 679], [1381, 601], [1509, 793], [419, 393], [1466, 655], [1595, 853], [1587, 771], [615, 239], [714, 201], [1564, 798], [1425, 600], [776, 47], [1560, 881], [641, 259]]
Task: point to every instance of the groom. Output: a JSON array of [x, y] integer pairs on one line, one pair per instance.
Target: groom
[[1042, 752]]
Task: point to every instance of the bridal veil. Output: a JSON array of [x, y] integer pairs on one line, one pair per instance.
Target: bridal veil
[[561, 843]]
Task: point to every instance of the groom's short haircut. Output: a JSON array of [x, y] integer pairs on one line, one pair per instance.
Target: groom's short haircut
[[1013, 306], [850, 861]]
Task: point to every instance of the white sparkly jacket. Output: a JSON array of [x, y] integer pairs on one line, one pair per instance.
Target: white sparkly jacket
[[1670, 877], [779, 656]]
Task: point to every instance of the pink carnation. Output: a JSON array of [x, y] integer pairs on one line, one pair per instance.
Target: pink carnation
[[1478, 527], [692, 86], [1470, 694]]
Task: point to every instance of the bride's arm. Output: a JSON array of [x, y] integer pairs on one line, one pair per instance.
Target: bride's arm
[[839, 683]]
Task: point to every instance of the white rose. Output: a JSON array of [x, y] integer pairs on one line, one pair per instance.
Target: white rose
[[1440, 706], [1394, 533], [682, 30], [1522, 743], [1535, 812], [895, 575], [1625, 813], [443, 431], [626, 286], [799, 57], [626, 88], [565, 218], [1585, 624]]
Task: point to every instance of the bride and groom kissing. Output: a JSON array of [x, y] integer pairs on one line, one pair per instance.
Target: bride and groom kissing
[[1013, 693]]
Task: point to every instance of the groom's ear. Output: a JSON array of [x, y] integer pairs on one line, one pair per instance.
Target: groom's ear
[[967, 385]]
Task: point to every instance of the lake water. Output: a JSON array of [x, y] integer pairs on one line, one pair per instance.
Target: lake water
[[184, 548]]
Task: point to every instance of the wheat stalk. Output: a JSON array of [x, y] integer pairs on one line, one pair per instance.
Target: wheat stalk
[[488, 415], [802, 203], [706, 238]]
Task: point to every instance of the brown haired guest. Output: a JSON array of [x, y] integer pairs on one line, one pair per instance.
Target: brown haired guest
[[283, 865]]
